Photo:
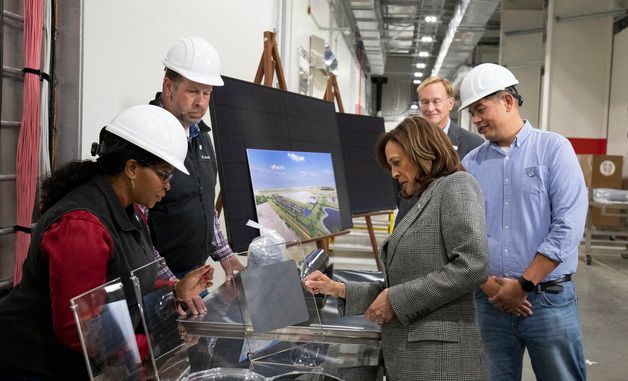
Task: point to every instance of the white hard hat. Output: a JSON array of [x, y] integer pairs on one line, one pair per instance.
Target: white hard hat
[[195, 59], [155, 130], [484, 80]]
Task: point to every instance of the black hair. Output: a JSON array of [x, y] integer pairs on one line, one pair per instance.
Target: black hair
[[113, 151], [512, 90]]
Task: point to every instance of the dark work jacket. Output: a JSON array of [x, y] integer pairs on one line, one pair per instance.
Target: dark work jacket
[[182, 224], [27, 338]]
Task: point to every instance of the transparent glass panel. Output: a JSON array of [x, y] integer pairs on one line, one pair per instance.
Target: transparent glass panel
[[160, 320], [325, 345], [107, 335]]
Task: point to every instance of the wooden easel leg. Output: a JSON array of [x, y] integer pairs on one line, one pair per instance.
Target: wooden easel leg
[[323, 244], [369, 226]]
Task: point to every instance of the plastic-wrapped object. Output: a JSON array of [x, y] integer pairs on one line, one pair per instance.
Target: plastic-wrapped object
[[225, 374], [610, 195], [268, 248]]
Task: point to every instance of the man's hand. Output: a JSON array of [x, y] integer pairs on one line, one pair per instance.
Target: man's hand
[[231, 265], [510, 297], [380, 311]]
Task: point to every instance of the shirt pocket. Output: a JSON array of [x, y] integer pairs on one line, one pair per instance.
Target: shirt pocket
[[434, 330], [533, 183]]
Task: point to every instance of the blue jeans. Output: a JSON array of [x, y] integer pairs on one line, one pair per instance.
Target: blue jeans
[[551, 334]]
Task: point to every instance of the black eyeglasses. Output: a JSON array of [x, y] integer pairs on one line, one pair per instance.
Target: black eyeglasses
[[165, 176]]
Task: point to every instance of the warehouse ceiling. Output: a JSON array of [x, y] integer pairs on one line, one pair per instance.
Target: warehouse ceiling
[[438, 35]]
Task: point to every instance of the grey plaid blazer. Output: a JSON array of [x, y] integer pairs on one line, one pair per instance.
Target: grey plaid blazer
[[432, 262]]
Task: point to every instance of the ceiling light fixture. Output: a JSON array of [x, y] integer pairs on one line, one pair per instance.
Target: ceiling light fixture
[[417, 81], [424, 54], [431, 19], [427, 39], [414, 106], [420, 65], [449, 36], [418, 74]]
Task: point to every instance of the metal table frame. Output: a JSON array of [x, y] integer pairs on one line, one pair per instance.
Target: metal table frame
[[603, 235]]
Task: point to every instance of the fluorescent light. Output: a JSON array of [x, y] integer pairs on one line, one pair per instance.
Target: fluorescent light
[[414, 106], [417, 81], [449, 36], [427, 39], [424, 54], [431, 19], [418, 74], [420, 65]]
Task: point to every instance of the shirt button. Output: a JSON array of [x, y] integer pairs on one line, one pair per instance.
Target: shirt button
[[506, 227], [507, 157], [506, 251], [506, 203], [506, 181]]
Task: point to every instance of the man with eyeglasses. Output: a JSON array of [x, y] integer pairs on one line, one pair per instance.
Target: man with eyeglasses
[[436, 100], [536, 205], [184, 226]]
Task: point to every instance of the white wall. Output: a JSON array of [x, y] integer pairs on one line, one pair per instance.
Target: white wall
[[124, 42], [524, 54], [578, 61], [304, 26], [618, 112]]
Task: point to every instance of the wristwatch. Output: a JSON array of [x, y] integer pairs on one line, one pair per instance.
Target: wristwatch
[[526, 285]]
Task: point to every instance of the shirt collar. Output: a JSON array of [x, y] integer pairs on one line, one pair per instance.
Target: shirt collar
[[194, 131], [521, 136], [446, 129]]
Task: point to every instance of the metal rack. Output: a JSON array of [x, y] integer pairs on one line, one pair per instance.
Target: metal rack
[[606, 239]]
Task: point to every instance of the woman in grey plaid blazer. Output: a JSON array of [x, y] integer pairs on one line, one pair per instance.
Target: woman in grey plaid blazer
[[432, 263]]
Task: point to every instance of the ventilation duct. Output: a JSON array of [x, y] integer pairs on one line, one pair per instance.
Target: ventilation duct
[[367, 15]]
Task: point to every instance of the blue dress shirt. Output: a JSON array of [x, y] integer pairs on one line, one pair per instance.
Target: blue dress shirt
[[535, 199]]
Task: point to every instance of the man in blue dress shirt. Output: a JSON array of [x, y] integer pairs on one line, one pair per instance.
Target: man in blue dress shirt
[[536, 205]]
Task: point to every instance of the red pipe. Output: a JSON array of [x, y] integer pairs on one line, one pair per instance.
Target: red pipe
[[27, 158]]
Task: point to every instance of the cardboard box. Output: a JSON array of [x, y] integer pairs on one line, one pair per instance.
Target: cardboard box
[[603, 171]]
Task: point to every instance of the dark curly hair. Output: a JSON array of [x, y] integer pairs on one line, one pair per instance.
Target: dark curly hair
[[75, 173]]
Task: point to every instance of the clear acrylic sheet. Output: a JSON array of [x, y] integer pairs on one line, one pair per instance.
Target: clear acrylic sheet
[[280, 354], [107, 335], [290, 355], [160, 319]]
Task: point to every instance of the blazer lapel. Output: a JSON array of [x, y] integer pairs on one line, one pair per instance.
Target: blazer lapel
[[454, 135], [390, 245]]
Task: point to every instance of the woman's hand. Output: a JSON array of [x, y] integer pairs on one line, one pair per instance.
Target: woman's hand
[[380, 311], [195, 305], [194, 282], [319, 283]]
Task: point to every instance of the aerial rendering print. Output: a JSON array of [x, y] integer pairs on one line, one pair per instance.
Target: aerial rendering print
[[295, 192]]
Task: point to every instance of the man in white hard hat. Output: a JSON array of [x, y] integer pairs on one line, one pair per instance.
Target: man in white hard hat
[[536, 205], [436, 100], [184, 225]]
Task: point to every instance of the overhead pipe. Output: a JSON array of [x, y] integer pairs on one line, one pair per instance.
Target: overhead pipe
[[582, 16]]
